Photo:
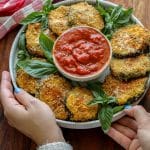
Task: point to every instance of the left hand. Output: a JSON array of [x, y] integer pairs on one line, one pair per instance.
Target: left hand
[[29, 115]]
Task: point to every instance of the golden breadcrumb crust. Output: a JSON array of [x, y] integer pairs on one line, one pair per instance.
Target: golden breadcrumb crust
[[77, 104], [65, 17], [26, 82], [58, 19], [53, 90], [32, 39], [124, 91], [129, 68], [130, 40], [85, 14]]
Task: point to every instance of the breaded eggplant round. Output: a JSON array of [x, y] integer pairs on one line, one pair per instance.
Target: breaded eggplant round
[[77, 103], [129, 68], [53, 90], [124, 91], [130, 41], [58, 19], [26, 82], [32, 39], [65, 17], [85, 14]]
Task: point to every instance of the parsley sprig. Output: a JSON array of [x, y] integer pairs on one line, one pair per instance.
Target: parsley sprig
[[106, 103]]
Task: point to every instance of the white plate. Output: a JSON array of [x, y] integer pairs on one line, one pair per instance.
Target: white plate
[[62, 123]]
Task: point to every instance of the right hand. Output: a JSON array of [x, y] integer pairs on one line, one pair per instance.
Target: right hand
[[133, 132]]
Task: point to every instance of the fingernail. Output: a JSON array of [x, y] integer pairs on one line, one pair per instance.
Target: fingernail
[[17, 90], [127, 107]]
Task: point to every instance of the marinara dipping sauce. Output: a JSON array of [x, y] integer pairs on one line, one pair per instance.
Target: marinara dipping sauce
[[81, 52]]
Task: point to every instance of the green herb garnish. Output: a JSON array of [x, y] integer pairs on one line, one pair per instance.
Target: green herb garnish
[[47, 45], [32, 18], [117, 109], [37, 68], [105, 114], [41, 16], [22, 53], [114, 17]]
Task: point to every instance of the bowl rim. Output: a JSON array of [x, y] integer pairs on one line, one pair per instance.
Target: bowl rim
[[64, 123], [88, 77]]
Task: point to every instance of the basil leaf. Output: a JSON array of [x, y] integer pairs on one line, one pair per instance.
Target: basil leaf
[[105, 116], [116, 13], [101, 10], [116, 109], [96, 89], [47, 46], [48, 6], [111, 100], [125, 17], [22, 41], [32, 18], [98, 100], [44, 23], [22, 53], [114, 18], [37, 68]]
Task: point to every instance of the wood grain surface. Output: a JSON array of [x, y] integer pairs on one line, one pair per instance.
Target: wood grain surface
[[93, 139]]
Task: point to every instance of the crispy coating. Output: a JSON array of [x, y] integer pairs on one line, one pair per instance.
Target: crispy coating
[[124, 91], [85, 14], [32, 39], [128, 68], [53, 90], [58, 19], [26, 82], [77, 105], [65, 17], [130, 40]]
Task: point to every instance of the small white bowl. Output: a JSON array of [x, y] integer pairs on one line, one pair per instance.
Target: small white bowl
[[82, 78]]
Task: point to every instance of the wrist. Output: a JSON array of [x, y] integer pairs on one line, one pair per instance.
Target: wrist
[[50, 137]]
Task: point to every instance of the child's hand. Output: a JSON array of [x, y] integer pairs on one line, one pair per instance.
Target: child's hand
[[28, 114]]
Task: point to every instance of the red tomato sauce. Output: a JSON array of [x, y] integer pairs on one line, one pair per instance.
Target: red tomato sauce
[[82, 51]]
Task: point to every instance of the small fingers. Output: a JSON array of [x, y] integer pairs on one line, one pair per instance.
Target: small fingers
[[124, 130], [121, 139]]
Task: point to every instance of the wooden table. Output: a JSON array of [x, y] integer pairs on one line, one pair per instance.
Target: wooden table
[[93, 139]]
